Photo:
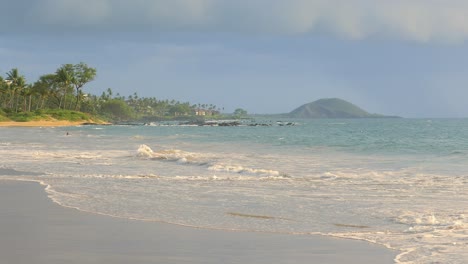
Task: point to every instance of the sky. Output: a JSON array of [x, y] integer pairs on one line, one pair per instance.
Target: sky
[[396, 57]]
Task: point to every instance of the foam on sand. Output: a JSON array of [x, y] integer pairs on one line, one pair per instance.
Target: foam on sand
[[35, 230]]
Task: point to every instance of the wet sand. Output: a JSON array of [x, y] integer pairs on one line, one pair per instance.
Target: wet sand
[[33, 229]]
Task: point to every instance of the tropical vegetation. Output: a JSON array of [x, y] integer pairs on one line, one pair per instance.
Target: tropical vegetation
[[60, 95]]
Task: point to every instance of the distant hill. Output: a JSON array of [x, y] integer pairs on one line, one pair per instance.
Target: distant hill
[[330, 108]]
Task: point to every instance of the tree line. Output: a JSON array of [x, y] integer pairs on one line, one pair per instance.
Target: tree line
[[63, 90], [59, 90]]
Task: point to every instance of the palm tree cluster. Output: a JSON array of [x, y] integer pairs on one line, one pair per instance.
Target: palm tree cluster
[[60, 90], [63, 90], [149, 107]]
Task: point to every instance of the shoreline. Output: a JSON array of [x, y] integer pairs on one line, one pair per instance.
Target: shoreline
[[45, 123], [34, 229]]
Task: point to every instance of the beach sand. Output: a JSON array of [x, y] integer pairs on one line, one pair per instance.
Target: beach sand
[[44, 123], [33, 229]]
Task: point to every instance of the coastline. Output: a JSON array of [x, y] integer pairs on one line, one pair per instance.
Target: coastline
[[44, 123], [33, 229]]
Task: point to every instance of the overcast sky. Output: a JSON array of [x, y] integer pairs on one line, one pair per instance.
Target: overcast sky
[[396, 57]]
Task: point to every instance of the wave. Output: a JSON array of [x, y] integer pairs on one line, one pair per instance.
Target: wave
[[226, 178], [243, 170], [210, 161], [429, 221], [179, 156], [419, 235], [102, 176]]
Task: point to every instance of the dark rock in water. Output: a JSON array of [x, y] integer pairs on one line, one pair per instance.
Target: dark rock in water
[[195, 122], [259, 124], [131, 124], [235, 123], [230, 123]]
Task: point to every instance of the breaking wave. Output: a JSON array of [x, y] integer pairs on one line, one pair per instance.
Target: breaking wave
[[176, 155], [209, 161]]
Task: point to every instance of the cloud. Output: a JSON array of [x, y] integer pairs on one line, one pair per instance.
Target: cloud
[[417, 20], [72, 13]]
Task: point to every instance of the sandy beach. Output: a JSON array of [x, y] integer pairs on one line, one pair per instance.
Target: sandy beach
[[42, 123], [39, 123], [33, 229]]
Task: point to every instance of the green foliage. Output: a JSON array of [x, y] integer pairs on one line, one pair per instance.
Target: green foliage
[[239, 113], [55, 95], [24, 117], [117, 110], [49, 114], [3, 116], [64, 114], [70, 76], [180, 109]]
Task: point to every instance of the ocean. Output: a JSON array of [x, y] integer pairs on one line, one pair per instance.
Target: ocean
[[399, 183]]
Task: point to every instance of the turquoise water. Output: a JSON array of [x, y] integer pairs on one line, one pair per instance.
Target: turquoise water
[[401, 183]]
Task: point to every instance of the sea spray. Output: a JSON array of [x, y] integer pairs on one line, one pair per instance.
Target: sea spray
[[145, 151]]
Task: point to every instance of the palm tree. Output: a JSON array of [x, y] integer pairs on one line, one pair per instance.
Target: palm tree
[[46, 86], [3, 91], [109, 92], [26, 93], [43, 88], [17, 82], [20, 86], [64, 78]]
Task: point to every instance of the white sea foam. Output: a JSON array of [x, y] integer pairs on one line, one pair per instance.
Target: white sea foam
[[205, 159], [145, 151], [242, 170], [169, 155], [411, 203]]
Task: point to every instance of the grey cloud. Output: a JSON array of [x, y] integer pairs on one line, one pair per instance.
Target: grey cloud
[[418, 20], [83, 12]]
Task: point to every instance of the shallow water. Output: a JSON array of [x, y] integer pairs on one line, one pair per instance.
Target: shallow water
[[396, 182]]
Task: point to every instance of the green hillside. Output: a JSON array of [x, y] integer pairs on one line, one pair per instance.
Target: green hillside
[[330, 108]]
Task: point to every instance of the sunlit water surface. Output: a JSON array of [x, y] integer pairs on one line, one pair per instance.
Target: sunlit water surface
[[396, 182]]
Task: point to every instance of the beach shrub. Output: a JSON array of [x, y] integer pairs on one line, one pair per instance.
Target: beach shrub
[[117, 110], [23, 116], [48, 114], [69, 115], [3, 116]]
